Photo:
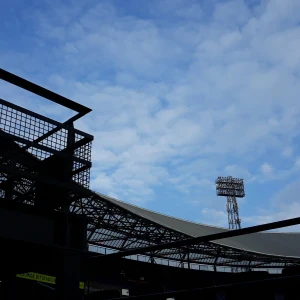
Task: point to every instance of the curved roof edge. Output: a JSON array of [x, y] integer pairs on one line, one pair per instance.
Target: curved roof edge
[[268, 243], [128, 205]]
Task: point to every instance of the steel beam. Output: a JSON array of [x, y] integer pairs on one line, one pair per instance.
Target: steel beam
[[38, 90]]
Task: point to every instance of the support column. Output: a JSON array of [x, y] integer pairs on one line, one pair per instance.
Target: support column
[[67, 277]]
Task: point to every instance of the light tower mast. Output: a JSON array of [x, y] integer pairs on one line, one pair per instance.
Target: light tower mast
[[232, 188]]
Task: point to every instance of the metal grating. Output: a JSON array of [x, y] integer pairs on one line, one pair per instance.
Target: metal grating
[[43, 137]]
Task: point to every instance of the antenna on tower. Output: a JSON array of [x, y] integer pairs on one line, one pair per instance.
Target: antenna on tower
[[232, 188]]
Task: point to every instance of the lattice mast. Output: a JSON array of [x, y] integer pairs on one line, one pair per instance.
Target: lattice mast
[[232, 188]]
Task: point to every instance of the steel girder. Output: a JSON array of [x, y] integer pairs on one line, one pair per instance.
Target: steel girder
[[40, 137], [116, 228]]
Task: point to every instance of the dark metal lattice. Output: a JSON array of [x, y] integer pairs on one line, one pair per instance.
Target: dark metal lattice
[[116, 228], [232, 188], [31, 138], [43, 137]]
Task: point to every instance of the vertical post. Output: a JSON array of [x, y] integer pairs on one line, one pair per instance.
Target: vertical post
[[215, 265], [67, 276], [70, 142], [249, 266], [68, 263], [188, 258], [10, 186]]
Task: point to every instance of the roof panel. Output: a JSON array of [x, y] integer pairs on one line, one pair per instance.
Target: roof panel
[[279, 244]]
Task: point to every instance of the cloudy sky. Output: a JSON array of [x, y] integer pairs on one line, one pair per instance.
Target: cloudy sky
[[182, 91]]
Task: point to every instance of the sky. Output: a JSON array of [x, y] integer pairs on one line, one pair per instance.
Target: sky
[[182, 91]]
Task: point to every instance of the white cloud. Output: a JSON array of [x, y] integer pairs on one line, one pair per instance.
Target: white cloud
[[285, 204], [266, 169], [288, 211], [216, 217], [237, 171], [289, 194], [180, 96], [268, 173]]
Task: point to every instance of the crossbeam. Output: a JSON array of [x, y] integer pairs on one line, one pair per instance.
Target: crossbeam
[[38, 90]]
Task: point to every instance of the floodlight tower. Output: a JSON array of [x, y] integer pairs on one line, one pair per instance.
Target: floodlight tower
[[232, 188]]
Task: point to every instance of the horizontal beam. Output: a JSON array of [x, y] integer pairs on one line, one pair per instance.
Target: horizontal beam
[[38, 90], [58, 125], [206, 238]]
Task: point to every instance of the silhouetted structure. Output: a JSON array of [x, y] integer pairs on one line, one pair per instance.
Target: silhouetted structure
[[231, 188], [45, 166], [51, 222]]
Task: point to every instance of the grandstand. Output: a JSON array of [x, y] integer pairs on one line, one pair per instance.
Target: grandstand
[[61, 240]]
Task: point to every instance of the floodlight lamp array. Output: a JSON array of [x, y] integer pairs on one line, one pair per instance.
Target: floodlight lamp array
[[229, 186]]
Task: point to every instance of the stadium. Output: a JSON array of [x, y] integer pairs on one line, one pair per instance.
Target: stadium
[[61, 240]]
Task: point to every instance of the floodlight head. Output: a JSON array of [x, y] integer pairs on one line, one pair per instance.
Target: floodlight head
[[229, 186]]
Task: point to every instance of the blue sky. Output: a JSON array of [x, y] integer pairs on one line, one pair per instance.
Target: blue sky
[[182, 91]]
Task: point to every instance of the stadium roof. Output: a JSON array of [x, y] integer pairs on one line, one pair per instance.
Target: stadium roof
[[270, 243]]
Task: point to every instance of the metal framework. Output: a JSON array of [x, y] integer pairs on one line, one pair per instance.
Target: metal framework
[[41, 157], [116, 228], [232, 188], [29, 141], [38, 90]]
